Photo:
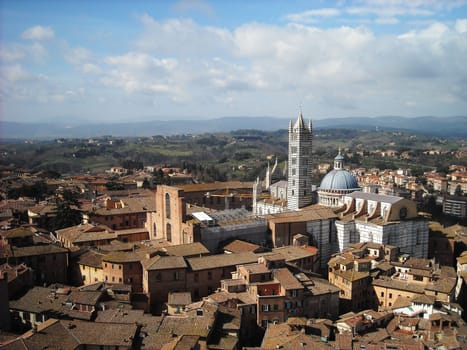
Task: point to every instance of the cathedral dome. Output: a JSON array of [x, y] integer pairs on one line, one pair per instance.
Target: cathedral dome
[[339, 179], [337, 183]]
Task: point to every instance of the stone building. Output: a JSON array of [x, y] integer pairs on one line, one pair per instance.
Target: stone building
[[370, 217], [315, 223], [270, 289], [276, 194], [415, 277], [351, 271]]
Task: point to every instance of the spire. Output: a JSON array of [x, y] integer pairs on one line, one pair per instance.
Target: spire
[[300, 123], [339, 161]]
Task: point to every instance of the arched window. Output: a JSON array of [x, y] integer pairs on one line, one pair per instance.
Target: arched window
[[168, 232], [167, 206]]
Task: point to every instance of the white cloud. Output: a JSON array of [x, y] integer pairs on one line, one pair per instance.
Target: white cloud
[[311, 16], [35, 52], [90, 68], [38, 33], [461, 25], [77, 55], [186, 68], [389, 11], [182, 37], [11, 53], [16, 72]]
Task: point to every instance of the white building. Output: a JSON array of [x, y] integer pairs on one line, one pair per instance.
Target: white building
[[388, 220]]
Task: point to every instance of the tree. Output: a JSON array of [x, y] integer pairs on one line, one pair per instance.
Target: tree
[[67, 213]]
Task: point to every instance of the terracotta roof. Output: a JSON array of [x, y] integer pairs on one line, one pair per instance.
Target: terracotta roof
[[310, 213], [221, 260], [283, 336], [122, 257], [46, 209], [164, 263], [399, 285], [103, 334], [86, 232], [91, 258], [292, 253], [287, 279], [186, 250], [40, 299], [84, 297], [255, 268], [401, 302], [39, 249], [239, 246], [318, 286], [18, 233], [51, 335], [120, 316], [352, 275], [186, 325]]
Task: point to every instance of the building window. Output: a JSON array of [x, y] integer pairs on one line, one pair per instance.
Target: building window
[[120, 279], [382, 294], [196, 277], [276, 307], [113, 279], [159, 277], [167, 206], [209, 275], [390, 295], [265, 307], [168, 231], [119, 267], [293, 149], [176, 276]]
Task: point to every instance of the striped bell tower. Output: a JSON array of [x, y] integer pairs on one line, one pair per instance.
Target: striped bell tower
[[299, 164]]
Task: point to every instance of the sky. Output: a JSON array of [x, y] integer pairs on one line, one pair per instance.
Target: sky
[[120, 61]]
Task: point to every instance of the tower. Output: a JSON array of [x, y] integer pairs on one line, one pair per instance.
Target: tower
[[299, 164]]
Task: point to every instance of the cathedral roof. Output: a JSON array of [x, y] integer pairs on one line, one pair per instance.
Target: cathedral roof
[[339, 179]]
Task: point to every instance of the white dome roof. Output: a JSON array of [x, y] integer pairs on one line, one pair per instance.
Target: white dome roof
[[339, 179]]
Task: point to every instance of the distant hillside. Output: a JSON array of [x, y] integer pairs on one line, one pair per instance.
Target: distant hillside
[[436, 126]]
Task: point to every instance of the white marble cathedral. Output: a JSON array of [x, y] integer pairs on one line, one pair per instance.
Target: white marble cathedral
[[357, 216]]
